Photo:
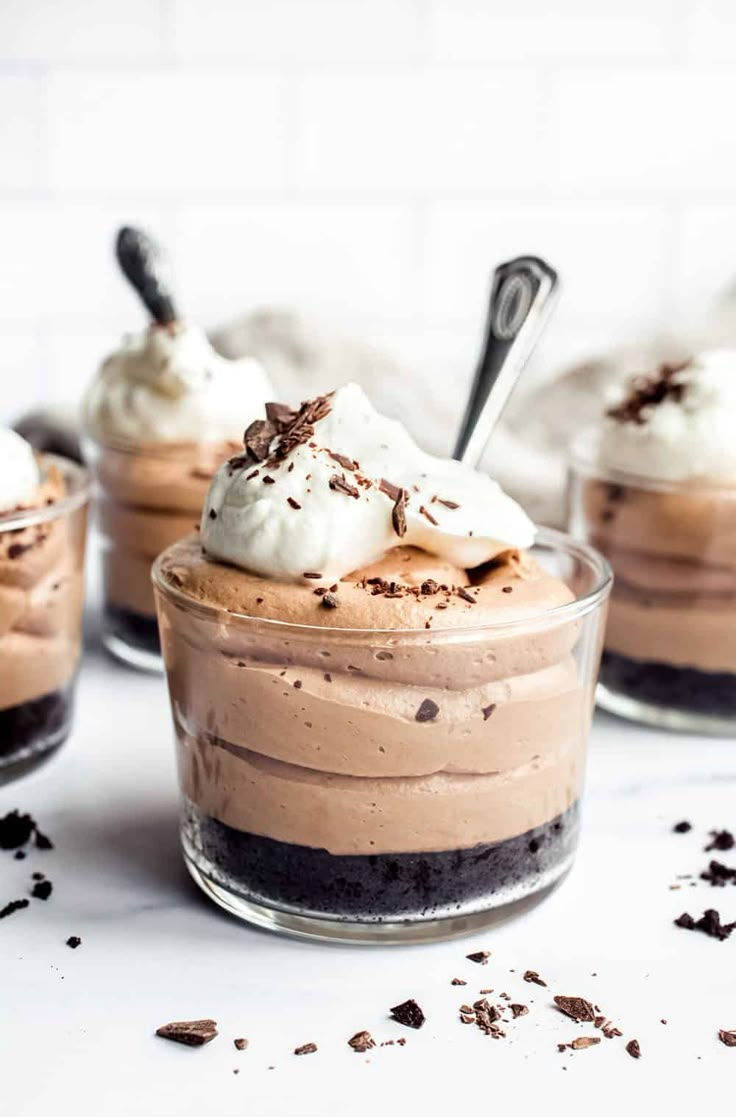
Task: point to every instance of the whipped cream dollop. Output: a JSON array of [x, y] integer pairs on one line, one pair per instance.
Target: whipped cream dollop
[[20, 475], [677, 424], [330, 489], [168, 384]]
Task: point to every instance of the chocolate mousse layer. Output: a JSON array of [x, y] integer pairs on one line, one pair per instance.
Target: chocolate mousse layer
[[671, 636], [41, 589], [151, 495], [378, 741]]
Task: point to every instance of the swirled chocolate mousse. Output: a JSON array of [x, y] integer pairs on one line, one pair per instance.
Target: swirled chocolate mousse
[[660, 502], [41, 586], [372, 723], [163, 414]]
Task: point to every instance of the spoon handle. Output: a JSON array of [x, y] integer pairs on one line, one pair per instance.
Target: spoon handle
[[522, 296], [144, 266]]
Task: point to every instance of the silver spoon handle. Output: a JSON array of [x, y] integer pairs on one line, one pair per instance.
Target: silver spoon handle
[[522, 296]]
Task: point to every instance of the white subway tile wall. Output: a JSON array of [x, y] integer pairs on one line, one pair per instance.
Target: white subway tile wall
[[366, 160]]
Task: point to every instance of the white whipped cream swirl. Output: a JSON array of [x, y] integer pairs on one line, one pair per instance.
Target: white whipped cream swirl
[[168, 384], [19, 472], [295, 519], [689, 434]]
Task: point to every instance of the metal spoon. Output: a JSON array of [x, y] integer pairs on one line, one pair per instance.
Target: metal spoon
[[145, 267], [522, 297]]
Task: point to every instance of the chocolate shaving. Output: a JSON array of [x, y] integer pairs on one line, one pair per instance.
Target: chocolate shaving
[[306, 1049], [427, 711], [73, 942], [427, 515], [193, 1033], [519, 1010], [722, 840], [428, 587], [533, 977], [267, 480], [634, 1049], [488, 710], [458, 981], [361, 1042], [258, 438], [480, 957], [392, 491], [329, 601], [727, 1038], [682, 827], [339, 485], [447, 503], [649, 391], [466, 595], [280, 415], [13, 906], [582, 1042], [311, 574], [408, 1013], [398, 513], [240, 1043], [301, 427], [293, 503], [577, 1008], [344, 461]]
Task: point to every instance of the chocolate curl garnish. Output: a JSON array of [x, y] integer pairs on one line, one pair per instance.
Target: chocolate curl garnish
[[144, 266]]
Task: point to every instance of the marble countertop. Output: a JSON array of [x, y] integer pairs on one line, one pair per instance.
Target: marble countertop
[[76, 1026]]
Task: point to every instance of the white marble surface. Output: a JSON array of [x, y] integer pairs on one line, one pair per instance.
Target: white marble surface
[[76, 1027]]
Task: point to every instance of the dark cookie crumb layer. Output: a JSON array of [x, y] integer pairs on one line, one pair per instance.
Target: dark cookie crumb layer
[[378, 886], [677, 688], [30, 726]]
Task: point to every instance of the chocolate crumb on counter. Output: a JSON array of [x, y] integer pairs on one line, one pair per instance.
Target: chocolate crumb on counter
[[577, 1008], [73, 942], [479, 956], [488, 710], [306, 1049], [42, 890], [709, 923], [634, 1049], [13, 906], [458, 981], [519, 1010], [533, 977], [427, 711], [728, 1038], [408, 1013], [718, 874], [16, 830], [682, 827], [722, 840], [192, 1033], [582, 1042], [363, 1041], [241, 1043]]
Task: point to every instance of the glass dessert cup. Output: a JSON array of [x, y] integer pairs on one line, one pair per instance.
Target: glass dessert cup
[[146, 497], [382, 786], [669, 656], [41, 596]]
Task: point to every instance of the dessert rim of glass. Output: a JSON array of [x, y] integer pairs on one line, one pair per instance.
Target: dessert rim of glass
[[74, 473], [581, 458], [546, 537]]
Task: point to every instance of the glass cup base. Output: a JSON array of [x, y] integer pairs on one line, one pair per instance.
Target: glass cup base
[[132, 639], [320, 928], [662, 717]]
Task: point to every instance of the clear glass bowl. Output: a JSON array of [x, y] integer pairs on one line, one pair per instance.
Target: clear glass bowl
[[41, 595], [670, 647], [383, 786], [146, 497]]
